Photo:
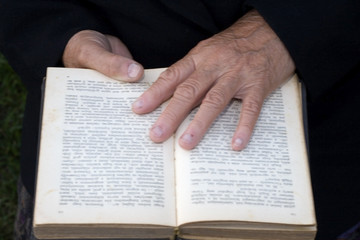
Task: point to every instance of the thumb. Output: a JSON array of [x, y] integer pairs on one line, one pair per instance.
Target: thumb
[[113, 65], [104, 53]]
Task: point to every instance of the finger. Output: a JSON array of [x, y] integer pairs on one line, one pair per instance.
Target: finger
[[185, 98], [106, 54], [164, 87], [250, 110], [212, 105], [110, 64]]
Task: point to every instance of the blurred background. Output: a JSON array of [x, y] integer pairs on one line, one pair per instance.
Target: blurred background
[[12, 102]]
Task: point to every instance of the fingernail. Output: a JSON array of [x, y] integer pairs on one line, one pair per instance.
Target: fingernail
[[138, 104], [187, 138], [237, 143], [133, 70], [157, 131]]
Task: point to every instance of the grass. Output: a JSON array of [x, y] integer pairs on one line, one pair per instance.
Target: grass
[[12, 102]]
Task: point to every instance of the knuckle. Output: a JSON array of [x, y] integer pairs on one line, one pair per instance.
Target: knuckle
[[205, 50], [257, 63], [187, 91], [203, 44], [252, 107], [215, 99], [170, 73], [83, 54]]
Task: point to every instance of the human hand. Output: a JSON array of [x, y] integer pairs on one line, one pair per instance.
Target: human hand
[[247, 61], [104, 53]]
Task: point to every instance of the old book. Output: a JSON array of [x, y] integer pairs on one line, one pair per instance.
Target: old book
[[100, 176]]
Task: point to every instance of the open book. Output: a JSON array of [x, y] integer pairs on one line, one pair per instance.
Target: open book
[[100, 176]]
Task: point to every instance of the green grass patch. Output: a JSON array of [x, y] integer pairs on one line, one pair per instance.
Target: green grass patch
[[12, 102]]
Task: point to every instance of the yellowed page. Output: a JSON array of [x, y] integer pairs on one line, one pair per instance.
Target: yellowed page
[[97, 164], [266, 182]]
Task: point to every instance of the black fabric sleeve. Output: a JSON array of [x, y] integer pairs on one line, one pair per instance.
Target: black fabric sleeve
[[322, 37], [33, 34]]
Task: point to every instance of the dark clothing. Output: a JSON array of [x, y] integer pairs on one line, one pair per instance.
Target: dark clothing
[[323, 38], [24, 217]]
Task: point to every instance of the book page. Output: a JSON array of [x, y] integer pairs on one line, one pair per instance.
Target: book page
[[266, 182], [97, 163]]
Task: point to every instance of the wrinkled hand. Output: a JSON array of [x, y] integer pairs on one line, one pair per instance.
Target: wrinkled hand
[[104, 53], [246, 61]]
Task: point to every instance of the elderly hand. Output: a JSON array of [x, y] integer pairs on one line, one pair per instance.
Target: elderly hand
[[247, 61], [104, 53]]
